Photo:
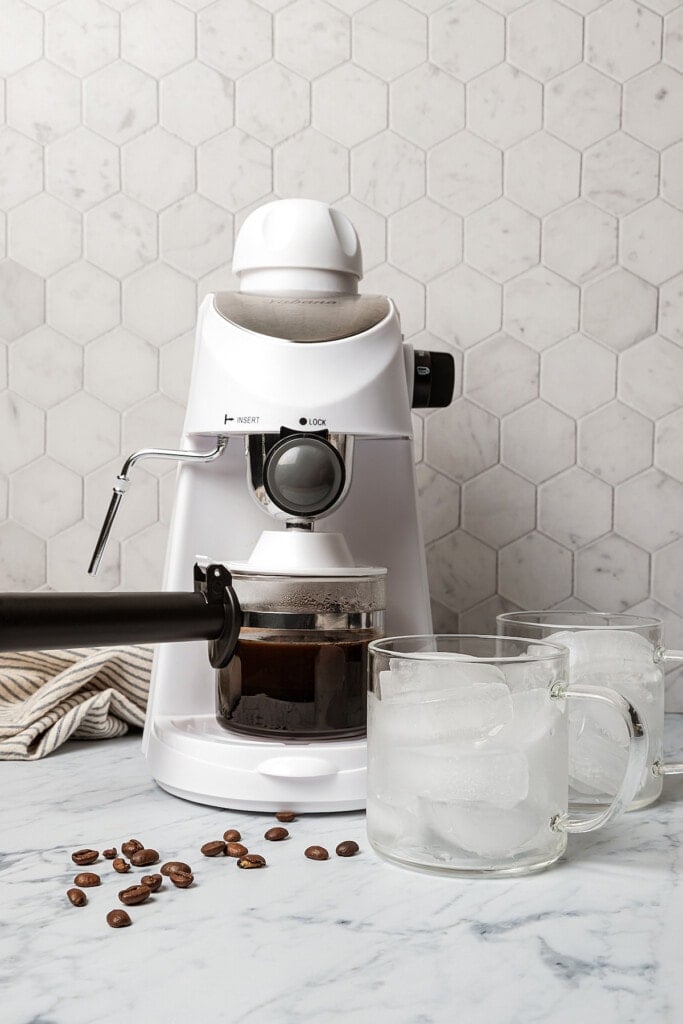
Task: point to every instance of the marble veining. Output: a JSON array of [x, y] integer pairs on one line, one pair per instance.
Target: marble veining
[[594, 939]]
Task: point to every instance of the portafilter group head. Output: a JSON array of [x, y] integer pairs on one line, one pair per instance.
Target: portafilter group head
[[299, 477]]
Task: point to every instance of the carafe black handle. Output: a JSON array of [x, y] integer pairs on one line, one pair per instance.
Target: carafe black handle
[[31, 622]]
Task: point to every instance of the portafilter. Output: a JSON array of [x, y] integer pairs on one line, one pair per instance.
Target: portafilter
[[44, 621]]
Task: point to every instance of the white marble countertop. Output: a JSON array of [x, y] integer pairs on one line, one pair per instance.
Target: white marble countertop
[[595, 939]]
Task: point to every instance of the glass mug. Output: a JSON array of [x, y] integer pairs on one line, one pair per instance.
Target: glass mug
[[622, 651], [467, 754]]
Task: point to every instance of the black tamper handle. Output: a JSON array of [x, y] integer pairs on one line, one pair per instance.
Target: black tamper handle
[[45, 621]]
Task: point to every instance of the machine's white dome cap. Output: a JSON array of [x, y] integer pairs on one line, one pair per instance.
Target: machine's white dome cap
[[301, 233]]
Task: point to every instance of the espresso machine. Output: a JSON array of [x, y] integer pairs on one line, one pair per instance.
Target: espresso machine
[[296, 511]]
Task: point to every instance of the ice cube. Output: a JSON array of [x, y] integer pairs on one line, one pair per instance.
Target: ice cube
[[391, 773], [598, 737], [535, 729], [603, 647], [536, 715], [485, 830], [432, 673], [394, 827], [643, 688], [598, 742], [498, 775], [585, 715], [425, 705], [523, 674], [597, 757], [383, 821]]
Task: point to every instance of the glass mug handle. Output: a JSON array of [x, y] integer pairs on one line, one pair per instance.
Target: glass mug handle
[[637, 755], [671, 767]]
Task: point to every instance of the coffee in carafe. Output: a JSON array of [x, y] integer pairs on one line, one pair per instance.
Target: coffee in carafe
[[300, 666]]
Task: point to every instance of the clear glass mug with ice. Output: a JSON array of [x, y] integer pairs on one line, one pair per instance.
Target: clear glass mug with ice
[[622, 651], [467, 753]]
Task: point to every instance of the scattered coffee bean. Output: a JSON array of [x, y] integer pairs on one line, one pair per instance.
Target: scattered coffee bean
[[175, 865], [83, 857], [251, 860], [120, 865], [276, 835], [87, 879], [153, 882], [316, 853], [118, 919], [77, 897], [286, 816], [232, 836], [347, 848], [109, 854], [214, 849], [131, 847], [235, 850], [143, 858], [182, 879], [134, 894]]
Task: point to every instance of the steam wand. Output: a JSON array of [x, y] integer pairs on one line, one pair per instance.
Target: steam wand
[[123, 482]]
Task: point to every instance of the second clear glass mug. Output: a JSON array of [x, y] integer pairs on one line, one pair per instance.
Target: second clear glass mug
[[467, 754], [623, 651]]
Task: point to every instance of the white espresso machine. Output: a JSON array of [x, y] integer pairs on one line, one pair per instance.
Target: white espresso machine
[[296, 460]]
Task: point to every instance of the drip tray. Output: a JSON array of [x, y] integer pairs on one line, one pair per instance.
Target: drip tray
[[202, 737], [195, 758]]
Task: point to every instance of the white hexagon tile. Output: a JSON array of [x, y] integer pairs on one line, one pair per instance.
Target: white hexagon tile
[[515, 171]]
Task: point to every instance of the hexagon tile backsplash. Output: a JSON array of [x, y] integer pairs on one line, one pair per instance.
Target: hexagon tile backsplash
[[515, 171]]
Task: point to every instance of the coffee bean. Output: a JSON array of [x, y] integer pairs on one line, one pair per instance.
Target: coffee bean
[[235, 850], [316, 853], [134, 894], [83, 857], [87, 879], [77, 897], [182, 879], [153, 882], [276, 835], [347, 848], [175, 865], [120, 865], [118, 919], [215, 849], [131, 847], [109, 854], [286, 816], [143, 858], [251, 860], [232, 836]]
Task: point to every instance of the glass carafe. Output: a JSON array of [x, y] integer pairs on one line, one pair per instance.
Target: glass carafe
[[300, 667]]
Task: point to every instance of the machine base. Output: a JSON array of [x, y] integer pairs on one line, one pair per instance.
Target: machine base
[[194, 758]]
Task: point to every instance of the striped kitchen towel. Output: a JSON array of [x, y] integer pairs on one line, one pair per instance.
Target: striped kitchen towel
[[47, 697]]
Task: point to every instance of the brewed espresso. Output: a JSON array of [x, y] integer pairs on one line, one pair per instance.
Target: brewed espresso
[[294, 685]]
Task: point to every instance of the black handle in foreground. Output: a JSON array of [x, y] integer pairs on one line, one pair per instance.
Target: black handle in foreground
[[31, 622]]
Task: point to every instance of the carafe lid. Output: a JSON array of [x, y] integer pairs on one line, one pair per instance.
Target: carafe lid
[[302, 553]]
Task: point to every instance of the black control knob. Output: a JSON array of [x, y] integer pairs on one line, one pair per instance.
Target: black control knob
[[434, 380]]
